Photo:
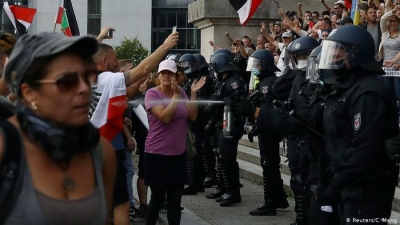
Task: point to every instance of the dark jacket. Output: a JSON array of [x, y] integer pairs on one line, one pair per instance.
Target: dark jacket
[[360, 114]]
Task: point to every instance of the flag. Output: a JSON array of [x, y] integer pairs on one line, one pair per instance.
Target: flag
[[108, 104], [66, 18], [347, 4], [355, 12], [245, 9], [21, 17]]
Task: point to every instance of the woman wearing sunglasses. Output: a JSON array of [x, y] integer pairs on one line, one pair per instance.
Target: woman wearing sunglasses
[[69, 169]]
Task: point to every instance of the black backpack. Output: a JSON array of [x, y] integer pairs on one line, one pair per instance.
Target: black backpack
[[11, 163]]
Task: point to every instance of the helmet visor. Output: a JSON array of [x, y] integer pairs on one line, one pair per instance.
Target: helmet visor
[[186, 65], [252, 63], [312, 69], [333, 55]]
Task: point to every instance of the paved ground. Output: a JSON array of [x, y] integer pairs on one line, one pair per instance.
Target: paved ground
[[201, 211], [212, 213]]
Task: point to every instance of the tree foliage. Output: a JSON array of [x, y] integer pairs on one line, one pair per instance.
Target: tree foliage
[[131, 49]]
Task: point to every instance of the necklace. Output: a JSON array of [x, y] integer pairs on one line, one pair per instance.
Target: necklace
[[68, 183]]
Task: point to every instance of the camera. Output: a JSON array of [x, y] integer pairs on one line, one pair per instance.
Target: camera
[[110, 33]]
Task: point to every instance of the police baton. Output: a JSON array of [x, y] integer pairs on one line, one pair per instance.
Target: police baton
[[254, 93], [306, 122]]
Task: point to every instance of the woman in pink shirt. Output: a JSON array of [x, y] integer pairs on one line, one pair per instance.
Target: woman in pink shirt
[[168, 110]]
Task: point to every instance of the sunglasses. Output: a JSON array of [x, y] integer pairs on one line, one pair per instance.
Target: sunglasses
[[69, 81]]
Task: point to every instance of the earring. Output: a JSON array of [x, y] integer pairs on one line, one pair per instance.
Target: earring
[[34, 106]]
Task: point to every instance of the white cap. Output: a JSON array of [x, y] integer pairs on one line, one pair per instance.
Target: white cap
[[167, 64], [340, 2]]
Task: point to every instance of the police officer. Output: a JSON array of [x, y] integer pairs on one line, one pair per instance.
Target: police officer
[[195, 67], [208, 141], [360, 114], [211, 133], [297, 149], [231, 91], [262, 65]]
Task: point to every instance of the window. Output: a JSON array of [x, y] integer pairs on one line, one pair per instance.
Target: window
[[94, 17], [164, 18]]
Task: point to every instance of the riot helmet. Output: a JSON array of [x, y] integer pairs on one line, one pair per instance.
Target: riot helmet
[[222, 63], [221, 50], [346, 50], [200, 61], [261, 61], [174, 57], [312, 72], [299, 50], [188, 63]]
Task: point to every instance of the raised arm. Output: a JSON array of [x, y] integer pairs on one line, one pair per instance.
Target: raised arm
[[151, 62], [228, 38], [379, 6], [289, 22], [269, 38], [326, 6], [192, 106], [165, 114], [214, 45], [315, 28], [389, 6], [104, 34], [299, 5], [384, 20]]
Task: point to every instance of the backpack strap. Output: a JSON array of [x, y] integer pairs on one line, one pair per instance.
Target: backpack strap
[[11, 168]]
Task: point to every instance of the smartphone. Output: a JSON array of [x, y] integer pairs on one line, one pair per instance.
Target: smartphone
[[174, 29], [110, 33]]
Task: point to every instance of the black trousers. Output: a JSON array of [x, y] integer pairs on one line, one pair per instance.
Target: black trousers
[[269, 149], [197, 128], [174, 196], [228, 148], [371, 203]]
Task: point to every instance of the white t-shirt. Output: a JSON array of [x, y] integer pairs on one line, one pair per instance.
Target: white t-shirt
[[281, 62]]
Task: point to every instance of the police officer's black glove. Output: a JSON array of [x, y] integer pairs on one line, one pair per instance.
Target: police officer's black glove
[[253, 132], [393, 147], [331, 196]]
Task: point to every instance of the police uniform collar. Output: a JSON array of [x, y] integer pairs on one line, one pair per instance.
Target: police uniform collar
[[348, 82], [229, 74]]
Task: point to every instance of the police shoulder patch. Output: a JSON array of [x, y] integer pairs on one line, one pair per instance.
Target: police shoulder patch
[[234, 85], [264, 89], [357, 121]]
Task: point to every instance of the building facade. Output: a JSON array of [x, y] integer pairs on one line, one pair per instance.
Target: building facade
[[149, 20]]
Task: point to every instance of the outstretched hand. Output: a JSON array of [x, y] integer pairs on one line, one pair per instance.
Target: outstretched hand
[[172, 40], [104, 34], [197, 85], [262, 30]]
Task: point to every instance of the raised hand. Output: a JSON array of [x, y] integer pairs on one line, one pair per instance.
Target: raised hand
[[280, 11], [262, 30], [197, 85], [174, 86], [172, 40]]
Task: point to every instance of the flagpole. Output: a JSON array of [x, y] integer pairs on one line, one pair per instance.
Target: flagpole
[[57, 11]]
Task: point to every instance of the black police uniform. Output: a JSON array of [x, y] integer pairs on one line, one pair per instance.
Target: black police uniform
[[232, 88], [274, 194], [198, 127], [360, 114]]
